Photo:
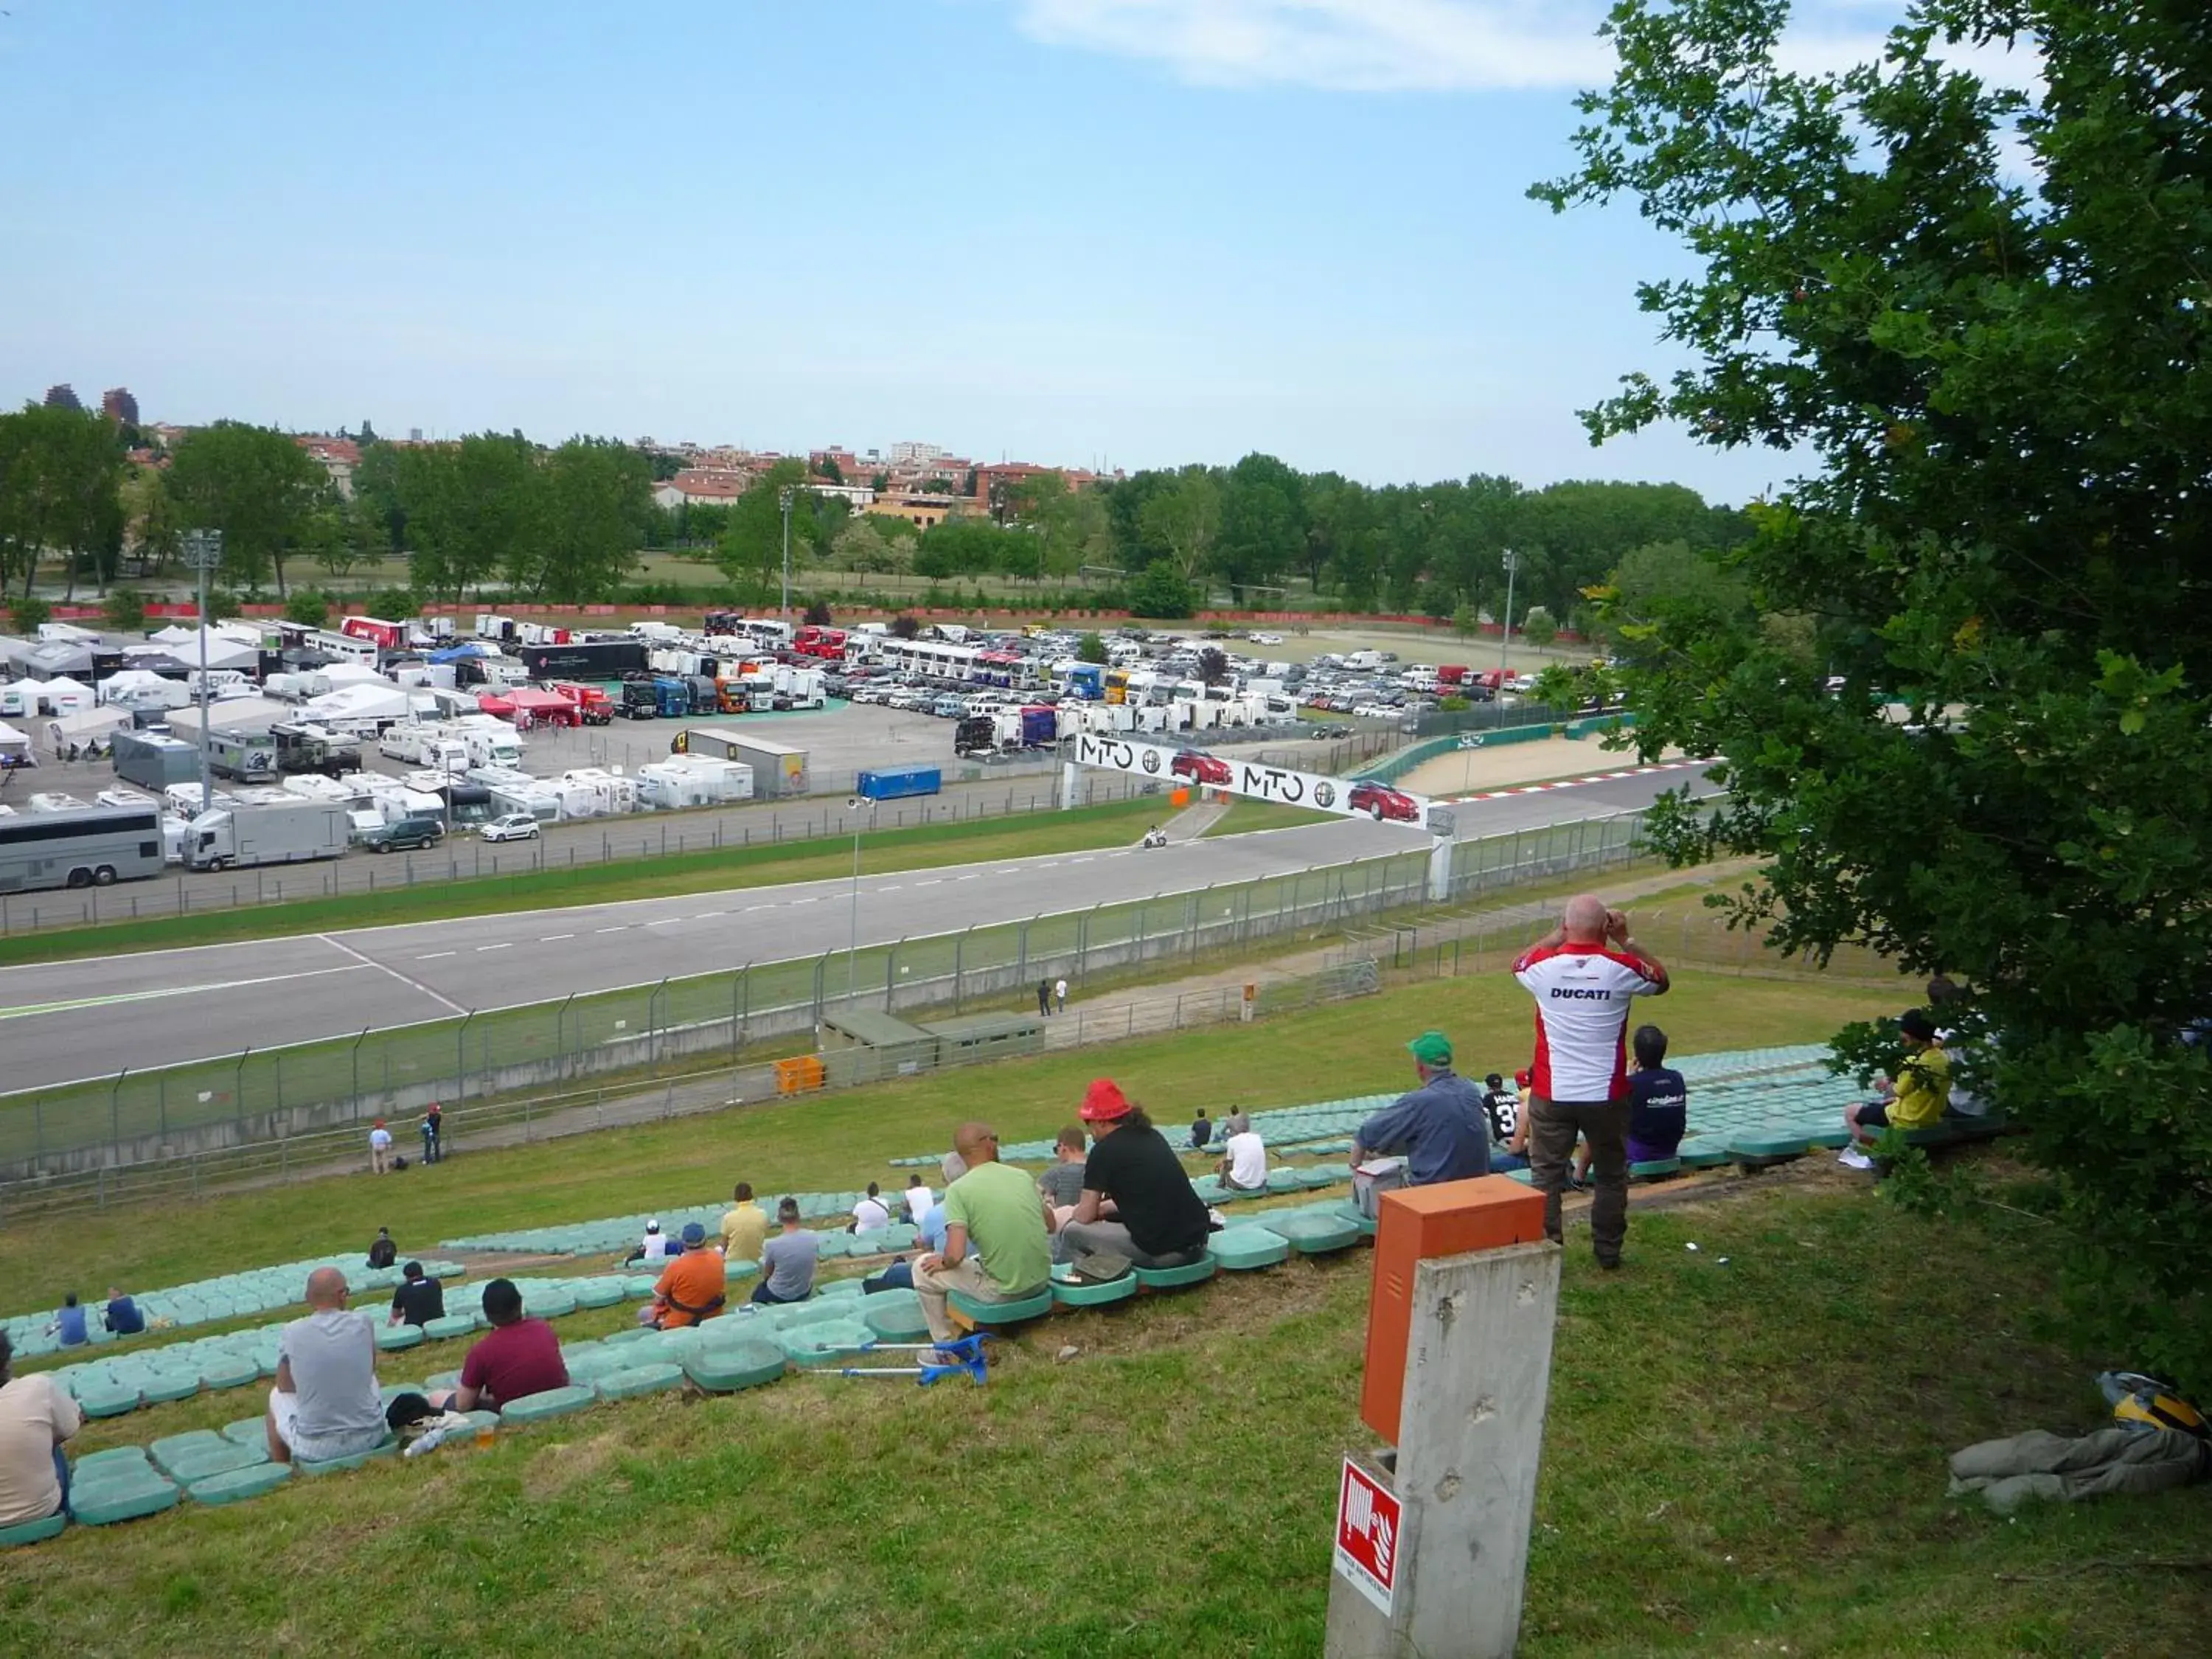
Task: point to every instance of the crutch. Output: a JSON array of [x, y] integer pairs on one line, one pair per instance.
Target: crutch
[[969, 1350]]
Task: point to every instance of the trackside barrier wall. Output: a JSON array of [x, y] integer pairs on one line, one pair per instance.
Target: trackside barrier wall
[[272, 1096]]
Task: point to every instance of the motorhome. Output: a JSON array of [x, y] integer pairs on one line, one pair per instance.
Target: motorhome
[[269, 832]]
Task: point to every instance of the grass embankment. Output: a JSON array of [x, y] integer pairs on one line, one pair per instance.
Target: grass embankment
[[841, 1139], [1114, 824], [1244, 816], [1741, 1457]]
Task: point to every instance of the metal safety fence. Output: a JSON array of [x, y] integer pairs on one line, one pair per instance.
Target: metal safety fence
[[283, 1093]]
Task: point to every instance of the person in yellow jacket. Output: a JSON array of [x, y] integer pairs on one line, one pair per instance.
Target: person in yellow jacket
[[1917, 1098]]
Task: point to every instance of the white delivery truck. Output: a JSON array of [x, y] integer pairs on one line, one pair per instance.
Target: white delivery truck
[[242, 836]]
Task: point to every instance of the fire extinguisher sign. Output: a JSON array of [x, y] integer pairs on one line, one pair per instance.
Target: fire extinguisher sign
[[1367, 1535]]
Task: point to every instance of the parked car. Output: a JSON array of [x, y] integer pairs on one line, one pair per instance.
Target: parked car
[[1200, 769], [1371, 796], [402, 835], [510, 826]]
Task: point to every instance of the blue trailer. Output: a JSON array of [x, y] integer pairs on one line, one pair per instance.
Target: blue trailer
[[672, 696], [1040, 726], [897, 782]]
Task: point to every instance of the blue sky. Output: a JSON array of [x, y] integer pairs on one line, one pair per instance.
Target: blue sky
[[1122, 231]]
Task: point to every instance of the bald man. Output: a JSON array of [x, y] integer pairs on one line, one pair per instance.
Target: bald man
[[996, 1228], [1584, 975], [326, 1403]]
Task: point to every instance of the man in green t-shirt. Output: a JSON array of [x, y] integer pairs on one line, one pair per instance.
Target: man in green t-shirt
[[995, 1245]]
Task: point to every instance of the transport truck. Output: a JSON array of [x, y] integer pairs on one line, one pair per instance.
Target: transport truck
[[305, 748], [242, 758], [245, 836]]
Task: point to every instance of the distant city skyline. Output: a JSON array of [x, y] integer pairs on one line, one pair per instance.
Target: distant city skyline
[[1099, 232]]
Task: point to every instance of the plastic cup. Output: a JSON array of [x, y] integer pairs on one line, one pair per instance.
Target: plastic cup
[[485, 1435]]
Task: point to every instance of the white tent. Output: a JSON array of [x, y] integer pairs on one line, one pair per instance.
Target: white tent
[[250, 717], [382, 700], [63, 696], [85, 726], [223, 650], [15, 747], [135, 688], [352, 673]]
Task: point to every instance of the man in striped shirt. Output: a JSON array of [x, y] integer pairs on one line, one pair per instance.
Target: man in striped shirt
[[1584, 974]]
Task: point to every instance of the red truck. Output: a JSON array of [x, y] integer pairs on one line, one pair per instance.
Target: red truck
[[1452, 673], [593, 706], [385, 636], [826, 643]]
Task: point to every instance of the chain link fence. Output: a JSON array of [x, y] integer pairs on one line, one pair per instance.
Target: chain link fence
[[282, 1094]]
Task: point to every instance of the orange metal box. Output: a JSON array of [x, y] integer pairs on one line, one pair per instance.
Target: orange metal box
[[1415, 1224]]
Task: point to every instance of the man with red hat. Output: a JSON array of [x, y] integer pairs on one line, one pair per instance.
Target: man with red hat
[[1136, 1202]]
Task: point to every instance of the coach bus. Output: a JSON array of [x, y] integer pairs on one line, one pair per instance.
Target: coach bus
[[93, 847]]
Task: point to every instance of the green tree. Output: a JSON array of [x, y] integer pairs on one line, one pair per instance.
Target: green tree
[[1263, 523], [28, 613], [596, 494], [124, 610], [904, 627], [1182, 520], [1212, 665], [1464, 620], [1978, 317], [827, 468], [1160, 591], [1539, 627], [1092, 648], [254, 484], [308, 606], [750, 551], [476, 510], [61, 475]]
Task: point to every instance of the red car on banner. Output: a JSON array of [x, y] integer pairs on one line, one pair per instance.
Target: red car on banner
[[1200, 769], [1381, 801]]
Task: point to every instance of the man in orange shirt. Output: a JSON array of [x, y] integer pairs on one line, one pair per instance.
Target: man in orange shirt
[[690, 1288]]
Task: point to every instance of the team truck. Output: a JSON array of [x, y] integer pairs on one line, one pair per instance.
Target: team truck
[[271, 832], [242, 759], [898, 782], [639, 702], [593, 706]]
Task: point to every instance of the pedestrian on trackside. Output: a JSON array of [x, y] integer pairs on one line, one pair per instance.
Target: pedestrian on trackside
[[1060, 993], [379, 1148], [1044, 996]]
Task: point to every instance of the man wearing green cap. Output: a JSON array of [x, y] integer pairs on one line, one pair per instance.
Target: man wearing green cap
[[1440, 1126]]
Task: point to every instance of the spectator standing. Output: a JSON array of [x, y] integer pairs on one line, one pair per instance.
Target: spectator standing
[[36, 1417], [1044, 996], [1060, 993], [745, 1225], [431, 1129], [1584, 975], [1440, 1127], [68, 1324], [416, 1300], [123, 1316], [379, 1148], [996, 1248], [690, 1289], [326, 1403], [787, 1260], [1136, 1202], [518, 1357], [382, 1252]]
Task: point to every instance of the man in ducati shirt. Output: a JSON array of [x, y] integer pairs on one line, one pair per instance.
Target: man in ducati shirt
[[1584, 975]]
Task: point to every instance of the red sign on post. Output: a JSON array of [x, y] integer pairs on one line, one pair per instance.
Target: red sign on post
[[1367, 1535]]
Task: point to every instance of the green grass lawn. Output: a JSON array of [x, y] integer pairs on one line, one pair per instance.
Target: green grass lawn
[[1113, 824], [841, 1139], [1741, 1458]]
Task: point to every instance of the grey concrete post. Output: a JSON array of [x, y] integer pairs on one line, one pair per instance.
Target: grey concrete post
[[1478, 1373]]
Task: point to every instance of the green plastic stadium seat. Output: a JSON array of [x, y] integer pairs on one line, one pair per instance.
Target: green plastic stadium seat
[[236, 1486], [437, 1381], [793, 1315], [1833, 1139], [444, 1269], [170, 1447], [103, 1504], [161, 1387], [840, 1287], [558, 1305], [895, 1317], [31, 1532], [219, 1459], [1170, 1278], [248, 1432], [110, 1462], [1655, 1169], [451, 1325], [1077, 1293], [599, 1293], [554, 1403], [812, 1346], [638, 1286], [1317, 1235], [476, 1420], [1701, 1154], [994, 1314], [228, 1371], [635, 1380], [107, 1398], [1349, 1212], [726, 1367], [1764, 1146], [1242, 1248], [388, 1447], [1312, 1179], [1283, 1181], [625, 1336], [390, 1339]]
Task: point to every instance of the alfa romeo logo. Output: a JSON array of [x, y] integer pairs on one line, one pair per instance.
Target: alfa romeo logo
[[1324, 794], [1151, 760]]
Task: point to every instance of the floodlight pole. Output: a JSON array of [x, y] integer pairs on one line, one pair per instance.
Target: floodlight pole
[[1505, 652], [853, 944], [784, 498], [203, 552]]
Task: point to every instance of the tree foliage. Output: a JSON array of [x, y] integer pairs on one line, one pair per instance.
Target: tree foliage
[[256, 486], [1092, 648], [61, 474], [750, 551], [1996, 373]]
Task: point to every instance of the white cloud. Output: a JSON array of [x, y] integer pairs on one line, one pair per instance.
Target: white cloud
[[1426, 46]]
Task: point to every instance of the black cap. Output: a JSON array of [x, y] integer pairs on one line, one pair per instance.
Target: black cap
[[1915, 1024]]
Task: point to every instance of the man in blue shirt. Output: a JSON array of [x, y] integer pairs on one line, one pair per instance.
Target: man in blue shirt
[[1440, 1127], [68, 1324], [124, 1318]]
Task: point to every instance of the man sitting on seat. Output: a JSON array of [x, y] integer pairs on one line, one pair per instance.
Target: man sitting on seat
[[123, 1316], [1658, 1105], [35, 1416], [1201, 1131], [744, 1226], [1244, 1163], [519, 1356], [382, 1252], [1918, 1095], [69, 1326], [1440, 1126], [995, 1245], [1062, 1183], [918, 1200], [1509, 1126], [691, 1288], [416, 1300], [787, 1260], [654, 1247], [1136, 1202], [326, 1403], [871, 1214]]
